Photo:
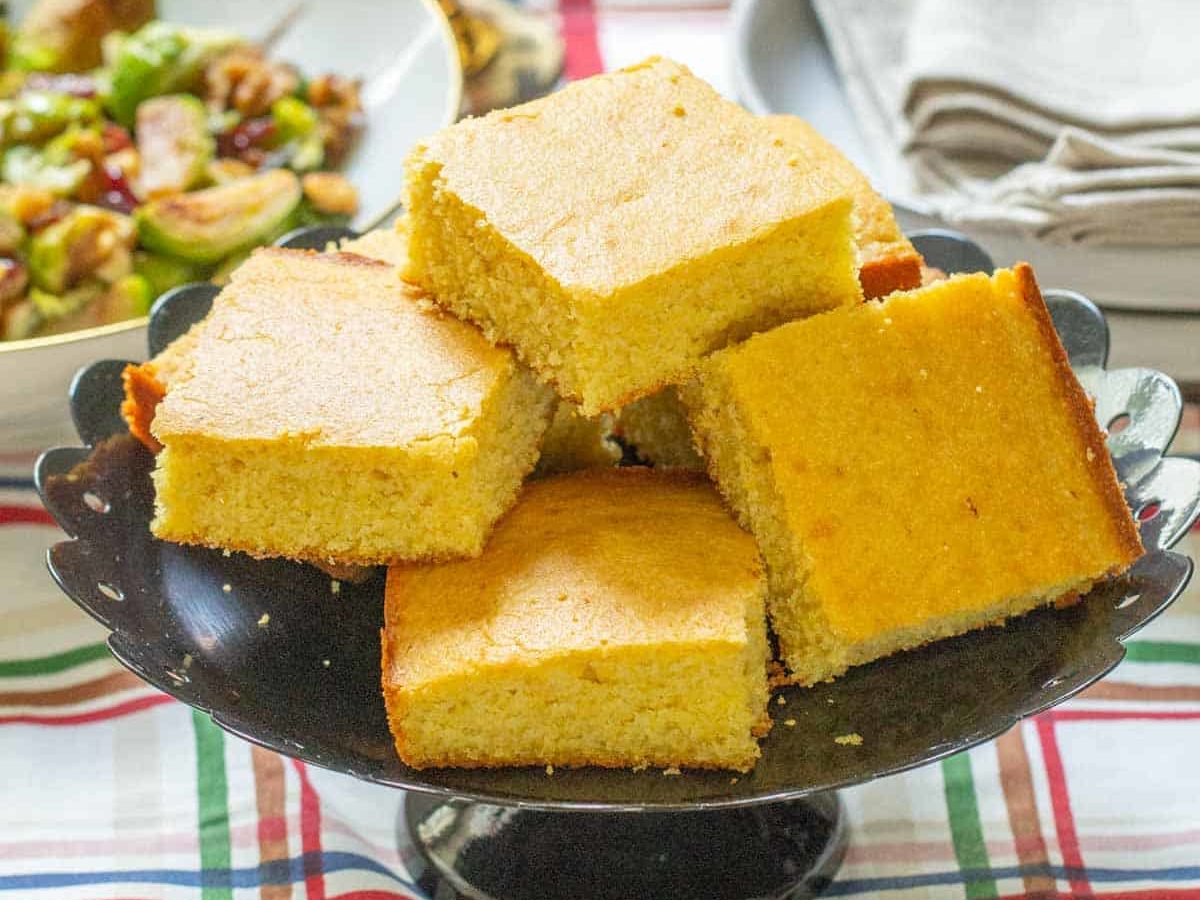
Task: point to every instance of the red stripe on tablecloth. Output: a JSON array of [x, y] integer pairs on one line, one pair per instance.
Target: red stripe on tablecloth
[[372, 895], [25, 515], [1120, 715], [310, 835], [1020, 799], [578, 18], [1060, 802], [270, 799], [97, 715]]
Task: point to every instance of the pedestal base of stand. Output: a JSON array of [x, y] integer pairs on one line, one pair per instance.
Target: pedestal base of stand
[[768, 852]]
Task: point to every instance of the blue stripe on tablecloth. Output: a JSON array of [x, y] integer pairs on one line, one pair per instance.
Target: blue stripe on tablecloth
[[16, 482], [285, 871], [279, 871]]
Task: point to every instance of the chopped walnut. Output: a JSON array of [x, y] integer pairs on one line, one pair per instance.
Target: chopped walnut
[[245, 80], [330, 193], [28, 204], [14, 279], [340, 109]]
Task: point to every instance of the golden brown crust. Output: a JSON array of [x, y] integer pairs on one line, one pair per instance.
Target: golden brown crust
[[321, 561], [1091, 438], [393, 697], [899, 270], [573, 762], [143, 392], [336, 257]]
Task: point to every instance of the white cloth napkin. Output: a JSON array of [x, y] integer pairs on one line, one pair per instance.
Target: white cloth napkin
[[1077, 121]]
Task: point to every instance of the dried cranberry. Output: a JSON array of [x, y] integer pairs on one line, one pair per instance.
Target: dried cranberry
[[116, 193], [116, 138]]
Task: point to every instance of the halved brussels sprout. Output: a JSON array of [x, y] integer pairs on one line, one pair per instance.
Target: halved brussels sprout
[[297, 126], [33, 117], [38, 169], [87, 243], [206, 226], [161, 58]]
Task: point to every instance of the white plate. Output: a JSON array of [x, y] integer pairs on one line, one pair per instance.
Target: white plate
[[406, 55], [782, 65]]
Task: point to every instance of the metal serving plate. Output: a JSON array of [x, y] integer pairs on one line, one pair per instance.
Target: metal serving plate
[[280, 659]]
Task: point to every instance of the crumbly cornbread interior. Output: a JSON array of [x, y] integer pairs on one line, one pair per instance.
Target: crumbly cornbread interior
[[935, 469], [657, 427], [616, 618], [612, 265], [574, 441], [293, 435]]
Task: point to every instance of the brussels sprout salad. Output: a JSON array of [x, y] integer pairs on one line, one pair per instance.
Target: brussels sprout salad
[[137, 155]]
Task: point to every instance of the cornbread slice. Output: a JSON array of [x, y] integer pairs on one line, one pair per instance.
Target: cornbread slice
[[616, 619], [328, 415], [933, 467], [887, 260], [618, 230]]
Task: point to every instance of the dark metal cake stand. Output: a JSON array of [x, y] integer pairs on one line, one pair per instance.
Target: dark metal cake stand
[[280, 659]]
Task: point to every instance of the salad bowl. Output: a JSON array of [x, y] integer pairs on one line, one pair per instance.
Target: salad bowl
[[406, 55]]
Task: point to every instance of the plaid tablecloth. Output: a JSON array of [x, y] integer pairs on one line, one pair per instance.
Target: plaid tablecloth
[[112, 790]]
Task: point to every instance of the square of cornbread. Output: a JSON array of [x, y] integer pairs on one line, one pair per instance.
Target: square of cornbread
[[912, 469], [618, 230], [616, 618], [887, 259], [329, 414]]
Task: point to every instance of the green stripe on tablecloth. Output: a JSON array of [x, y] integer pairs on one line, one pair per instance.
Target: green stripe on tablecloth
[[966, 828], [52, 665], [1162, 652], [212, 789]]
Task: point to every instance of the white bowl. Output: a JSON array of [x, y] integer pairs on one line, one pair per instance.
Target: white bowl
[[407, 57]]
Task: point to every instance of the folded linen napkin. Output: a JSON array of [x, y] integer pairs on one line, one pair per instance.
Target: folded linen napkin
[[1077, 121]]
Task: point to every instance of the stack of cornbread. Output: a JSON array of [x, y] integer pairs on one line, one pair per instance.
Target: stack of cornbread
[[880, 464]]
